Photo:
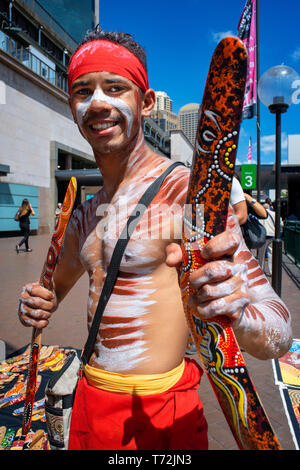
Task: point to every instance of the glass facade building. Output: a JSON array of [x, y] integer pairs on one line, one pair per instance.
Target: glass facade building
[[75, 16]]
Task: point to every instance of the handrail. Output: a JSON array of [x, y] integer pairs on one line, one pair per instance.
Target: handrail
[[291, 236], [30, 60]]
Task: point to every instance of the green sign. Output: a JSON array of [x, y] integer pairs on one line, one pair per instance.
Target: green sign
[[248, 176]]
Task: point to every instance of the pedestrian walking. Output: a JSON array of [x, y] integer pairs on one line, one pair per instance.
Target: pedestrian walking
[[23, 217], [57, 211], [269, 224]]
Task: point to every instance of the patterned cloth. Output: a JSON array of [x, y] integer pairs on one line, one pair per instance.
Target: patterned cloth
[[13, 375]]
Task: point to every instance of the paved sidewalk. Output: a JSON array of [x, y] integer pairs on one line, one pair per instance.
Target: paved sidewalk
[[68, 328]]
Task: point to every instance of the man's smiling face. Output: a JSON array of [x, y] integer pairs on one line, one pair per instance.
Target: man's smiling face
[[108, 110]]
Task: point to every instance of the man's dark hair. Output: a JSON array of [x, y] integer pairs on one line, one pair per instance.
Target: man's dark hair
[[124, 39]]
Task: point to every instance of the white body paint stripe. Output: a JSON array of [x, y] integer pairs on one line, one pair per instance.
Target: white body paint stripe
[[117, 103]]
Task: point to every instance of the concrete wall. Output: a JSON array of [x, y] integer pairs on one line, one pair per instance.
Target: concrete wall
[[35, 122], [294, 149], [181, 148]]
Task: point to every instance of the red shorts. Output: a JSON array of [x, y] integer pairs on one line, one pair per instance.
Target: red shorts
[[172, 420]]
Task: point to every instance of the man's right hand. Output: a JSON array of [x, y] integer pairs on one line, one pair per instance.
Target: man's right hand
[[36, 305]]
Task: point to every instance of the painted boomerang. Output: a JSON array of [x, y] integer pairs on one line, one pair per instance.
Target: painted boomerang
[[45, 281], [210, 187]]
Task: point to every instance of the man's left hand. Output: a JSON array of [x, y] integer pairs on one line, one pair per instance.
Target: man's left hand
[[221, 284]]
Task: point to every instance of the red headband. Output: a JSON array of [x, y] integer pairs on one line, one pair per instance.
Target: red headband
[[99, 55]]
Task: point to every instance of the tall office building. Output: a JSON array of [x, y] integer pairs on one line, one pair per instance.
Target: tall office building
[[188, 116], [75, 16], [162, 102]]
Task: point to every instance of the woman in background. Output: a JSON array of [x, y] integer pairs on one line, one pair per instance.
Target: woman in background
[[24, 212]]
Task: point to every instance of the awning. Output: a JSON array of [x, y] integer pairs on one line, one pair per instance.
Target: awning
[[84, 177], [4, 169]]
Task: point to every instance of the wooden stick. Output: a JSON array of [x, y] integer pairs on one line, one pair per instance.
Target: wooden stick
[[46, 281]]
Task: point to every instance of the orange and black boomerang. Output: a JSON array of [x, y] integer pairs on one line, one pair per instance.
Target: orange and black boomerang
[[209, 188], [45, 281]]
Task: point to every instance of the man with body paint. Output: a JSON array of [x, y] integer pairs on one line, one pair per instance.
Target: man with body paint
[[138, 390]]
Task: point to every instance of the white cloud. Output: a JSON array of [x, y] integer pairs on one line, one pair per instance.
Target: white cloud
[[217, 37], [243, 133], [267, 143], [296, 54]]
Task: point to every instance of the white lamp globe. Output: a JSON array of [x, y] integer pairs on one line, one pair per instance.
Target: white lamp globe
[[276, 86]]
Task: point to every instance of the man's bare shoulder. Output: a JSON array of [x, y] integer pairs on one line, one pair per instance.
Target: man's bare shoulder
[[175, 186], [167, 162], [89, 204], [84, 217]]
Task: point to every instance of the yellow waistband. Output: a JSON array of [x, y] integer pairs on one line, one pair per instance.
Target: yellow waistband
[[133, 384]]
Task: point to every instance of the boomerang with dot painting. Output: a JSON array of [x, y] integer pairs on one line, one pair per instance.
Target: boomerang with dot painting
[[45, 281], [210, 187]]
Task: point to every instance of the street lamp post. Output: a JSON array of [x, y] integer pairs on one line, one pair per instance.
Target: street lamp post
[[277, 109], [275, 89]]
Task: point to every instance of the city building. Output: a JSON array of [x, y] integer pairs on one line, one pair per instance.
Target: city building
[[172, 144], [39, 140], [181, 149], [188, 116], [291, 172], [166, 120], [290, 180], [156, 138], [162, 101], [41, 146]]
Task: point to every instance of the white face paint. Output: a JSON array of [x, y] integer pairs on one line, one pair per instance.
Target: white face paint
[[117, 103]]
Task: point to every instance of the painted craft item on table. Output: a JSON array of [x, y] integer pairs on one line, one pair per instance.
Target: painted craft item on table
[[209, 188], [10, 439], [45, 281], [17, 393], [287, 377]]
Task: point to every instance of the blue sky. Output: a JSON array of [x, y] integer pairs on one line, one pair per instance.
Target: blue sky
[[180, 37]]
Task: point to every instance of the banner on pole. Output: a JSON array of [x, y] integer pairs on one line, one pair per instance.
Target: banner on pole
[[249, 156], [247, 33]]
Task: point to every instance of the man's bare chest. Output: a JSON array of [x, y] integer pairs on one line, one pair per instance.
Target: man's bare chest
[[145, 251]]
